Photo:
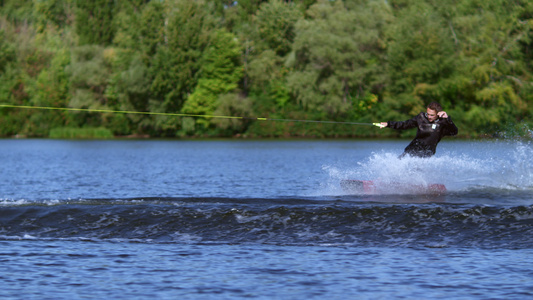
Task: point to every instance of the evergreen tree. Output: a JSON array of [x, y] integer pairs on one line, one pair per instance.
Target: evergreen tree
[[52, 89], [176, 62], [220, 74], [7, 52], [17, 11], [54, 12], [275, 21], [271, 41], [94, 21]]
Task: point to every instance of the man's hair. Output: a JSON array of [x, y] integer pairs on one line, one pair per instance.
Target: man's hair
[[435, 106]]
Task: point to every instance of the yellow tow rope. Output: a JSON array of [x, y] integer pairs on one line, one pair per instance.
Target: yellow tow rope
[[178, 114]]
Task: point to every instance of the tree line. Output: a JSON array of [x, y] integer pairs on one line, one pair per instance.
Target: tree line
[[329, 60]]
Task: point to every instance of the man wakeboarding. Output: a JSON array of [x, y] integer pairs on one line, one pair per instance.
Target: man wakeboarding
[[431, 126]]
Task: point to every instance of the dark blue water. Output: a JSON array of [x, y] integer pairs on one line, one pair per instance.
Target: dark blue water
[[264, 219]]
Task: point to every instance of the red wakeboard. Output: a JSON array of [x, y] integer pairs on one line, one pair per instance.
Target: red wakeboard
[[369, 187]]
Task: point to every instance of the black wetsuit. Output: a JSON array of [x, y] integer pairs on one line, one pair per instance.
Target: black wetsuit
[[428, 134]]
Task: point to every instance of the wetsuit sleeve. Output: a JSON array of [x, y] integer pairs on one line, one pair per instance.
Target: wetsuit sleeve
[[411, 123], [449, 127]]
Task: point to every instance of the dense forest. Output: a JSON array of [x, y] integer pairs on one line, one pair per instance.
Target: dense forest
[[323, 60]]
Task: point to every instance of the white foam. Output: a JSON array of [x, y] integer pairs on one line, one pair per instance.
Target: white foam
[[498, 166]]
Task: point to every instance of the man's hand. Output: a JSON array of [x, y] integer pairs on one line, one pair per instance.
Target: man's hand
[[442, 114]]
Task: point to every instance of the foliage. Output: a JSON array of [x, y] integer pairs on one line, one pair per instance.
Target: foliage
[[80, 133], [7, 52], [270, 42], [57, 13], [345, 60], [88, 74], [276, 21], [94, 21], [420, 54], [337, 54], [176, 63], [236, 106], [219, 74]]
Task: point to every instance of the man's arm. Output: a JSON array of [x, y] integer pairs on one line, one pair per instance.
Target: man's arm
[[408, 124], [449, 127]]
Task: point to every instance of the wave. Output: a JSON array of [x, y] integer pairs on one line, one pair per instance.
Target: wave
[[300, 221]]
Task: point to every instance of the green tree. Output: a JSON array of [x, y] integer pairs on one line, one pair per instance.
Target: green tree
[[17, 11], [94, 21], [176, 63], [141, 28], [220, 74], [89, 73], [233, 104], [129, 89], [337, 58], [270, 42], [420, 53], [7, 52], [57, 13], [492, 35], [275, 21], [152, 29], [52, 89], [12, 91]]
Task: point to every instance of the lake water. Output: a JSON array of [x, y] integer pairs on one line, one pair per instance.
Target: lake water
[[264, 219]]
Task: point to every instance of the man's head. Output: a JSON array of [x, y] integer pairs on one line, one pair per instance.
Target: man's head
[[432, 111]]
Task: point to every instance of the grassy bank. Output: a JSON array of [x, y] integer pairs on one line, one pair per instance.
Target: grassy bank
[[80, 133]]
